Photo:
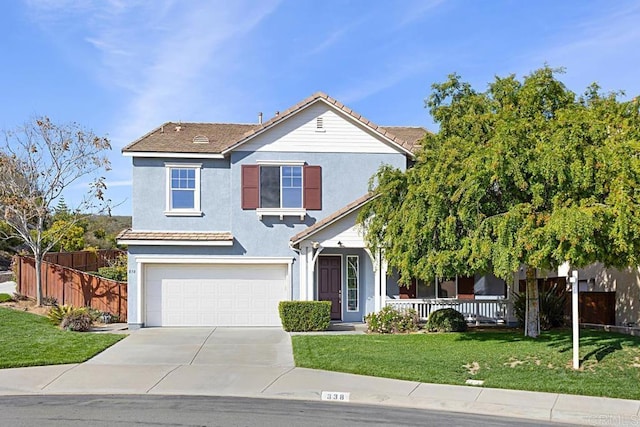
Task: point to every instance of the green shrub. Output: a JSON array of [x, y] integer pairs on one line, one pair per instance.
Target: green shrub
[[117, 270], [390, 320], [551, 306], [78, 320], [58, 312], [446, 320], [302, 316], [5, 298]]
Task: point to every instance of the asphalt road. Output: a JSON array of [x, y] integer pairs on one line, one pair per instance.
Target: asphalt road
[[147, 410]]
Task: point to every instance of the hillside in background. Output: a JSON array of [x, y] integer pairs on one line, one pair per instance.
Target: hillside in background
[[102, 230]]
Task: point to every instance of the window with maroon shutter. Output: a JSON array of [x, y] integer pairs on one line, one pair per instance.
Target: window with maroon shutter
[[250, 186], [312, 187], [281, 187]]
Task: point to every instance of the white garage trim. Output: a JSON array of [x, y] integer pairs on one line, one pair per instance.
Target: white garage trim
[[212, 260]]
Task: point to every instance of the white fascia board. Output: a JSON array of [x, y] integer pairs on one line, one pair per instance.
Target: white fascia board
[[281, 162], [176, 242], [191, 259], [173, 155]]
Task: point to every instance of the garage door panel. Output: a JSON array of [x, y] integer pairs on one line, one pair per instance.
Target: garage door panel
[[214, 295]]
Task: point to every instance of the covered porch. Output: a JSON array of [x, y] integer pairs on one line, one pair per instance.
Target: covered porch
[[335, 265]]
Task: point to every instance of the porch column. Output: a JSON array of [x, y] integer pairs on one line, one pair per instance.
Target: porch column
[[303, 274], [311, 269], [377, 285], [383, 280]]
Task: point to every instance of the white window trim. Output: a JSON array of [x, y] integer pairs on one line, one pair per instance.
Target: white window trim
[[357, 282], [281, 162], [196, 210], [281, 212]]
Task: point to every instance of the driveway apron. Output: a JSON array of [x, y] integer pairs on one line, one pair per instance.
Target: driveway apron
[[211, 361]]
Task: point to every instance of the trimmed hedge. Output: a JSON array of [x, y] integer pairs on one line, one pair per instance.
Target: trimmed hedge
[[303, 316], [446, 320]]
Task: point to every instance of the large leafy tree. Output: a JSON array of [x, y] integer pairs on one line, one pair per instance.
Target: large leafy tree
[[524, 174], [38, 162]]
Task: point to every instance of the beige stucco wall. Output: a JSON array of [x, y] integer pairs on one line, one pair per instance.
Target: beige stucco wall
[[626, 284]]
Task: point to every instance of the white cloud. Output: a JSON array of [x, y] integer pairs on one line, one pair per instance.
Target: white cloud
[[123, 183], [601, 49], [384, 78], [160, 55], [416, 11]]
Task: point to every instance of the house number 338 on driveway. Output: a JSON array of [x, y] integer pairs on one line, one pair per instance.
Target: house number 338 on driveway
[[339, 396]]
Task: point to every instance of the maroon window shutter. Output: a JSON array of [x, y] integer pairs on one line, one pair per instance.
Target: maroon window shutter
[[313, 187], [250, 186]]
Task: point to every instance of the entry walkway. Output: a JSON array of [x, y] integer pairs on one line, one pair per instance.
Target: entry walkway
[[259, 363]]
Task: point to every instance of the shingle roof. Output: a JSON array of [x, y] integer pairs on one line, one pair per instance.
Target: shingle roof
[[326, 221], [129, 234], [168, 139], [224, 137]]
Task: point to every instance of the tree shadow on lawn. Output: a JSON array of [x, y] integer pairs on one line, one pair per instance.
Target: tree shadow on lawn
[[603, 344]]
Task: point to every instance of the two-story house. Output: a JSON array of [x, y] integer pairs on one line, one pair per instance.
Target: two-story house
[[230, 219]]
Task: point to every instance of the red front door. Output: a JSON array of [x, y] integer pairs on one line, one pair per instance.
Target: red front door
[[330, 283]]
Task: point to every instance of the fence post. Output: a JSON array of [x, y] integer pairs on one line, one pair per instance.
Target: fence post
[[19, 278]]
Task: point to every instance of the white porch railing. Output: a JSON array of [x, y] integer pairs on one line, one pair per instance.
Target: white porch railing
[[474, 311]]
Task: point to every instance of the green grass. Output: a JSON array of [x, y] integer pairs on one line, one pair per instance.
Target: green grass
[[30, 340], [504, 359]]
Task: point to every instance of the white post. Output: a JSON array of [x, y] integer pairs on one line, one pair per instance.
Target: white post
[[377, 267], [311, 268], [382, 281], [303, 273], [576, 319]]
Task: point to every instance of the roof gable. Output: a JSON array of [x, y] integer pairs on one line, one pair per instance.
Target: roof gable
[[406, 147], [333, 218], [178, 137]]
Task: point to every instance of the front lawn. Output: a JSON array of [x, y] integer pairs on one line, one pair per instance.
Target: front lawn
[[502, 358], [30, 340]]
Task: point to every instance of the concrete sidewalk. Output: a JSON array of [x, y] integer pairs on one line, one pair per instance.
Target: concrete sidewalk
[[200, 365]]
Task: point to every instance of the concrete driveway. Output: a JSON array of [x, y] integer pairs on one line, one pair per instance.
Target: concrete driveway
[[210, 361], [264, 347]]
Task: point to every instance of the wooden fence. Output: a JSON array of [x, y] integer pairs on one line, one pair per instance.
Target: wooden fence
[[71, 286], [83, 260]]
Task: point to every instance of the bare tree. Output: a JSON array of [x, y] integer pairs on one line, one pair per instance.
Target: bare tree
[[38, 162]]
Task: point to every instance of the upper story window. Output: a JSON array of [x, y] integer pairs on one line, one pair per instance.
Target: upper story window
[[281, 189], [183, 189]]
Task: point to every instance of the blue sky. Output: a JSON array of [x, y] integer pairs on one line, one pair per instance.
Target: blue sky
[[123, 67]]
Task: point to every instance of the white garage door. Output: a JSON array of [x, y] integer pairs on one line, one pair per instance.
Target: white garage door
[[214, 295]]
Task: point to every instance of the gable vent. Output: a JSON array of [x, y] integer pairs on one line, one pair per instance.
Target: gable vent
[[319, 123], [200, 139]]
